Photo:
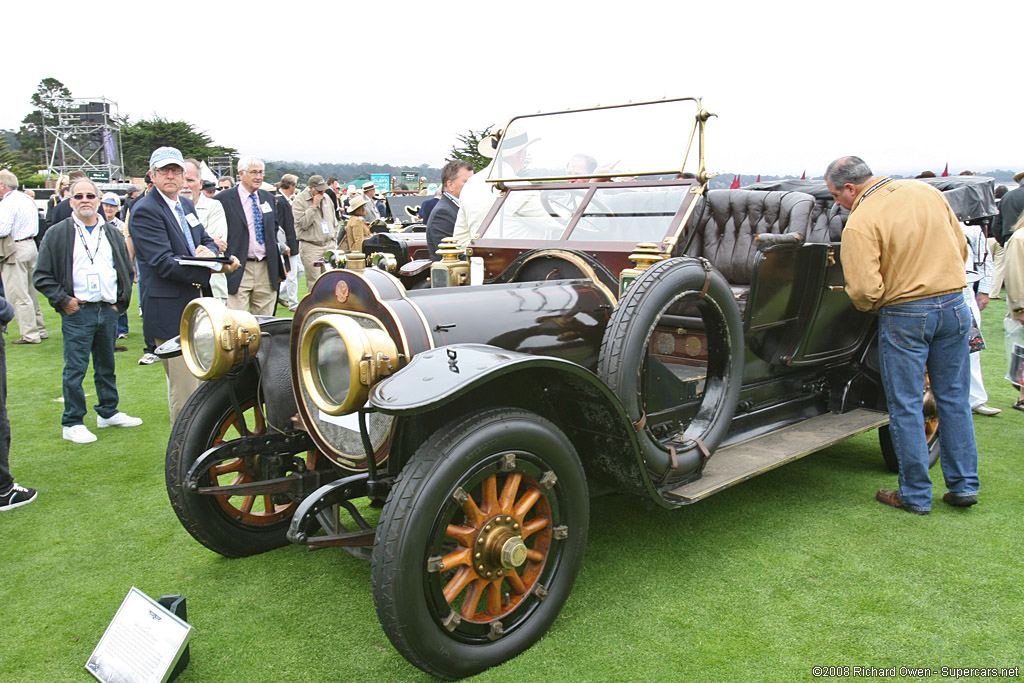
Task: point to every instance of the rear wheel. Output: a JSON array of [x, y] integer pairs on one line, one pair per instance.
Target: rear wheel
[[480, 542], [931, 433]]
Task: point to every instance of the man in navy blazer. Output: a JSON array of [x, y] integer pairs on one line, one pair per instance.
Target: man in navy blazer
[[441, 223], [252, 238], [158, 224]]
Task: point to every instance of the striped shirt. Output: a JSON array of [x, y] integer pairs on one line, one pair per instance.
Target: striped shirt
[[18, 216]]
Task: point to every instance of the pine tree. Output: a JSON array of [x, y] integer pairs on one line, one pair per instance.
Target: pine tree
[[468, 149], [50, 96]]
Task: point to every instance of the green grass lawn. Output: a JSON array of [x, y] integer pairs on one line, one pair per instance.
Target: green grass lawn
[[795, 569]]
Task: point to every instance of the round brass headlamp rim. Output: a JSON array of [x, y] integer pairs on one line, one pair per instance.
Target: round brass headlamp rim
[[352, 335], [221, 319]]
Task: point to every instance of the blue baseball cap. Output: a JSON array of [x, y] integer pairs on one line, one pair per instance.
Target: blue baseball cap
[[164, 156]]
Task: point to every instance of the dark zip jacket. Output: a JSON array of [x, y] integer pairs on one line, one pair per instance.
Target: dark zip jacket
[[54, 265]]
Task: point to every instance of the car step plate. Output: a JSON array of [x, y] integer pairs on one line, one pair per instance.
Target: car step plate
[[747, 459]]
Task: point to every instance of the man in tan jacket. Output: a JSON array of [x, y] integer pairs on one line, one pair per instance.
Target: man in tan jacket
[[316, 223], [903, 253]]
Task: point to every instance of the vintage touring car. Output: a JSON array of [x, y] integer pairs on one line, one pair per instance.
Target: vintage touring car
[[616, 328]]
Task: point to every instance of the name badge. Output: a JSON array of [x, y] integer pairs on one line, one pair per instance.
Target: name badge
[[92, 283], [324, 228], [191, 219], [266, 207]]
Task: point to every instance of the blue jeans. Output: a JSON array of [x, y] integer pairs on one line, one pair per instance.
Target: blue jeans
[[122, 324], [929, 333], [92, 329]]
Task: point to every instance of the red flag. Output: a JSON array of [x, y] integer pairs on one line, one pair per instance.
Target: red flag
[[758, 178], [803, 176], [945, 171], [735, 183]]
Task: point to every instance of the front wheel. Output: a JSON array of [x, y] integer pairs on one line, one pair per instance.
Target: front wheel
[[480, 541], [232, 525]]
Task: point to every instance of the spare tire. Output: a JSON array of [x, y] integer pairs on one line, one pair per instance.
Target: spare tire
[[625, 363]]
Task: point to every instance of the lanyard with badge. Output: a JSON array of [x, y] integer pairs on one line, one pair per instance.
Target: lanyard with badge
[[92, 280], [872, 189], [325, 227]]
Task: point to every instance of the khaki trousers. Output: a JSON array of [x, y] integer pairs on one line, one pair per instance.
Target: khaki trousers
[[180, 383], [998, 265], [17, 277], [254, 292], [309, 253]]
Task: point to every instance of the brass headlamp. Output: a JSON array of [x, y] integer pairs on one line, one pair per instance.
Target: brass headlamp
[[214, 337], [340, 360]]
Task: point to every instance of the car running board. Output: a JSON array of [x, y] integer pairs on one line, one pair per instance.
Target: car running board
[[741, 461]]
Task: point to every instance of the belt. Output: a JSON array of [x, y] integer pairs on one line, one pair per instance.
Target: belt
[[25, 239], [254, 259], [95, 303]]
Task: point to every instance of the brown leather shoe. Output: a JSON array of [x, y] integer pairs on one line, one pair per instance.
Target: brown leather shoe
[[24, 341], [959, 501], [892, 499]]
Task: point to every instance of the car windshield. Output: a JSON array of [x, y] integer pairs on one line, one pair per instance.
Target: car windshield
[[600, 212], [636, 139]]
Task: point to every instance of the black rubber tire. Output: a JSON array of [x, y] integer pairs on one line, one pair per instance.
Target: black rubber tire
[[625, 344], [889, 452], [461, 454], [194, 432]]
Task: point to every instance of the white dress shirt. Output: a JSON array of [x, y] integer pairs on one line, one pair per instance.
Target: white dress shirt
[[19, 216]]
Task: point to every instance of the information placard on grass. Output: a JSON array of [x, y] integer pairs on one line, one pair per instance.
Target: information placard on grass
[[141, 644]]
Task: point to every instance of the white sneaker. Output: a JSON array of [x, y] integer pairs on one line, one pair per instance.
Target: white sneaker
[[148, 359], [988, 411], [79, 434], [117, 420]]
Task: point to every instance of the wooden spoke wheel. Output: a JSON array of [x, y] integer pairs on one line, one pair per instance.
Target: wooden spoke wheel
[[232, 525], [494, 550], [480, 541], [266, 509]]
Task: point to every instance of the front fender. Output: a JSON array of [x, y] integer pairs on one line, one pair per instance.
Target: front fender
[[470, 376]]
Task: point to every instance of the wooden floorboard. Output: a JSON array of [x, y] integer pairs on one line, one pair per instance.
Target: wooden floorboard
[[739, 462]]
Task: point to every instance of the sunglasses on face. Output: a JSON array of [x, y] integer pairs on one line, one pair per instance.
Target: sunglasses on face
[[79, 197]]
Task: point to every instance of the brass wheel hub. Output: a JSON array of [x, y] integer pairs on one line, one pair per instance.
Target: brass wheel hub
[[499, 547]]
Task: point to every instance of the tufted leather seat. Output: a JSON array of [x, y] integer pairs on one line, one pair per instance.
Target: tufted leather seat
[[727, 223], [731, 220], [827, 221]]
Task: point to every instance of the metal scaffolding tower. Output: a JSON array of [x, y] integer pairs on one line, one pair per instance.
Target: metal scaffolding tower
[[222, 166], [86, 136]]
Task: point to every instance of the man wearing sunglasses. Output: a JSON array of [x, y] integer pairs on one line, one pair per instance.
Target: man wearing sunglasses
[[84, 271]]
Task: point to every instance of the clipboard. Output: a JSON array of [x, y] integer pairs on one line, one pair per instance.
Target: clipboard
[[202, 261]]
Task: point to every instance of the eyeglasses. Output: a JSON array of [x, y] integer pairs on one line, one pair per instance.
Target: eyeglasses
[[171, 171], [79, 197], [255, 172]]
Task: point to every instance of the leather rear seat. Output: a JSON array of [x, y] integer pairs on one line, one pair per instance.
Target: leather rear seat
[[727, 223]]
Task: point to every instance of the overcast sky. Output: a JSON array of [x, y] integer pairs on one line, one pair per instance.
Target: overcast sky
[[907, 85]]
